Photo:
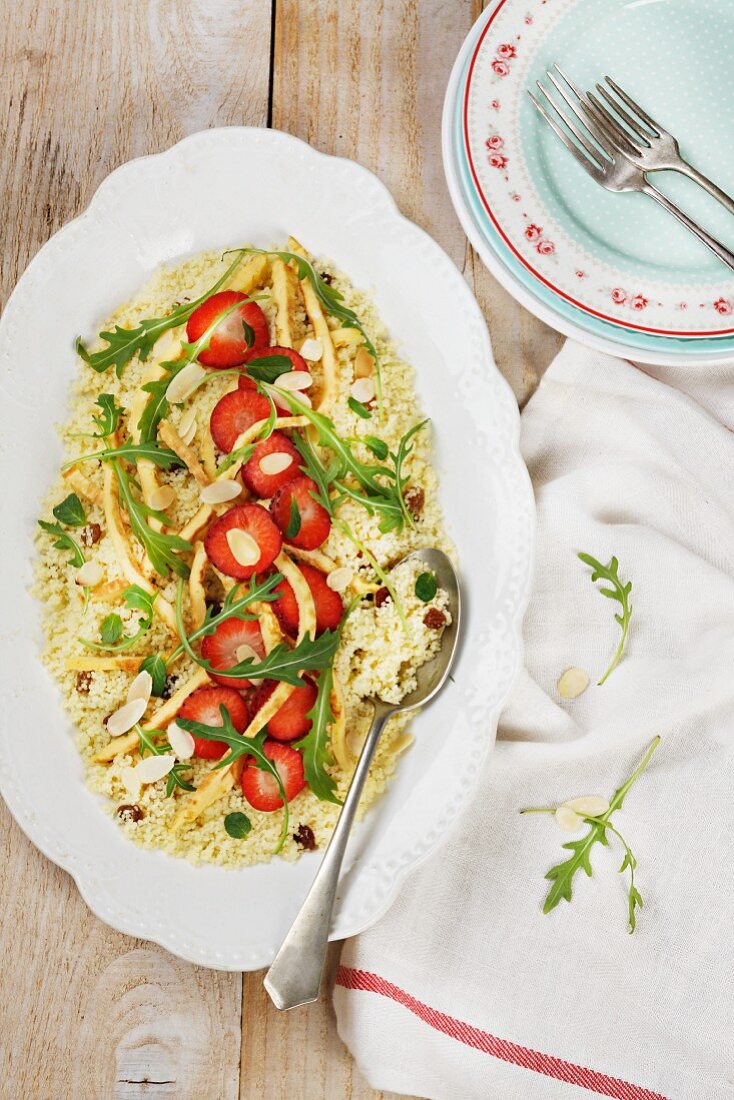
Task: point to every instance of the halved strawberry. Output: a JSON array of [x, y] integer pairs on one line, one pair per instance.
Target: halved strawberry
[[255, 521], [299, 363], [220, 648], [228, 346], [260, 788], [234, 413], [203, 706], [256, 473], [315, 522], [290, 721], [328, 604]]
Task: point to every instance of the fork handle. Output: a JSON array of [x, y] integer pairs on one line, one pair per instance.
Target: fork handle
[[716, 247], [295, 975], [708, 185]]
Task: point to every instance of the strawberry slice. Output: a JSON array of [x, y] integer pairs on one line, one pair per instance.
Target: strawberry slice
[[235, 555], [261, 474], [228, 346], [315, 521], [260, 788], [203, 706], [299, 363], [234, 413], [220, 648], [328, 604], [291, 720]]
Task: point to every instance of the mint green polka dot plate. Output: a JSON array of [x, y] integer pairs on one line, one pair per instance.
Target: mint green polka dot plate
[[613, 261]]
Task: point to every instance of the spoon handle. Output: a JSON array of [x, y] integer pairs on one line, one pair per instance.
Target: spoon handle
[[295, 975]]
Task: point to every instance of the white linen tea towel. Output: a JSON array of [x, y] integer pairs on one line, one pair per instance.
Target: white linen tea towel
[[465, 990]]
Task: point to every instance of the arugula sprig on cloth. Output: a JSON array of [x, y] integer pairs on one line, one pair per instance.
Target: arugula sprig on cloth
[[619, 592], [562, 874]]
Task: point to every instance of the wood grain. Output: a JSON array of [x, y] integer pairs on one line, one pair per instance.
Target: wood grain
[[85, 1012]]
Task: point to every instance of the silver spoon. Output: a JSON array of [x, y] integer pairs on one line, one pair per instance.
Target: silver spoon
[[295, 975]]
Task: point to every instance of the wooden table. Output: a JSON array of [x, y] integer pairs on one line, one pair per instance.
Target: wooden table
[[86, 1012]]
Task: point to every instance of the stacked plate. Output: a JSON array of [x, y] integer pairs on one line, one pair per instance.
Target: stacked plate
[[614, 271]]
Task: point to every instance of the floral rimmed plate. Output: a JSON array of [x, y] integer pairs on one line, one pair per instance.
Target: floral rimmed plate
[[618, 258], [154, 211]]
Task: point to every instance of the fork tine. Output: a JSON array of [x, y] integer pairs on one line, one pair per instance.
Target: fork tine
[[617, 133], [593, 119], [643, 135], [581, 137], [639, 111], [588, 165]]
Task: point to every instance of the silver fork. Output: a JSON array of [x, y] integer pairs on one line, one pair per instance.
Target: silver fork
[[649, 145], [606, 164]]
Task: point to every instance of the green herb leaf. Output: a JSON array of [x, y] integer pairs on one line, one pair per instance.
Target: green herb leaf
[[156, 666], [315, 745], [64, 541], [358, 408], [111, 629], [175, 776], [157, 406], [132, 452], [235, 606], [249, 333], [123, 343], [110, 416], [294, 520], [137, 599], [71, 511], [162, 549], [426, 587], [378, 447], [619, 592], [562, 874], [269, 367], [237, 825]]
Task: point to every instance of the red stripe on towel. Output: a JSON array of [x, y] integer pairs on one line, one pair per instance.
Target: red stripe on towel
[[503, 1049]]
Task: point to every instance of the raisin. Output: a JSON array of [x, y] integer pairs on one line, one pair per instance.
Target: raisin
[[434, 619], [167, 689], [83, 682], [327, 278], [381, 596], [415, 498], [128, 812], [90, 534], [305, 839]]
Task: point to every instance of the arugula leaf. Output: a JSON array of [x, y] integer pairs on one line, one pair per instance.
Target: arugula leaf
[[240, 746], [294, 520], [64, 541], [562, 874], [161, 456], [156, 666], [162, 549], [157, 406], [619, 592], [378, 447], [315, 745], [358, 408], [111, 629], [248, 332], [110, 416], [235, 606], [123, 343], [237, 825], [426, 587], [267, 368], [71, 511]]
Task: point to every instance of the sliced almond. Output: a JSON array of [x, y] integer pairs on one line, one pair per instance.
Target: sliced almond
[[243, 546], [245, 652], [363, 390], [590, 805], [131, 781], [184, 383], [154, 768], [180, 741], [126, 716], [295, 380], [364, 364], [187, 426], [339, 579], [312, 349], [220, 491], [572, 683], [162, 498], [275, 463], [141, 687], [568, 819], [90, 574]]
